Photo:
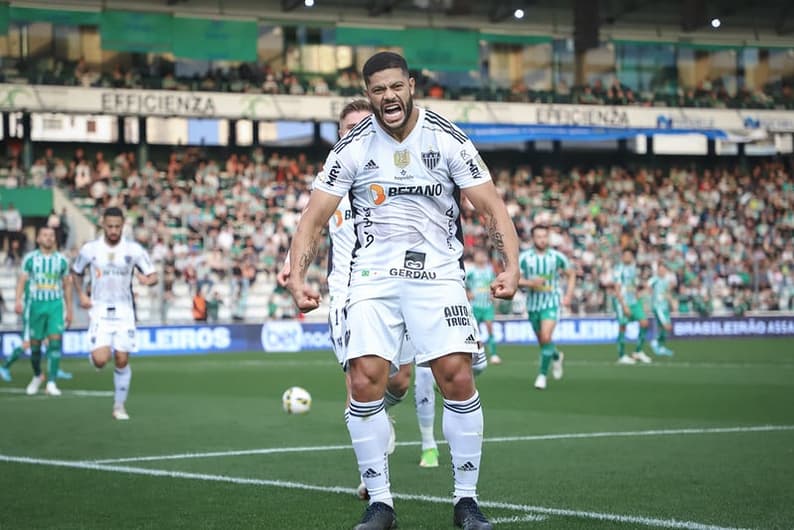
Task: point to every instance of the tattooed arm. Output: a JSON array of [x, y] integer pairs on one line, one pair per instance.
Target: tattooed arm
[[502, 233], [304, 247]]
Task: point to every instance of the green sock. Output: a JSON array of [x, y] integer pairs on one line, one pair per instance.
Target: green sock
[[54, 355], [492, 344], [35, 358], [641, 338], [546, 355], [621, 343], [662, 337], [556, 355], [14, 356]]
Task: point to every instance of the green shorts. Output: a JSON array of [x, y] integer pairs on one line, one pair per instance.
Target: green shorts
[[483, 314], [43, 319], [536, 317], [635, 314], [662, 314]]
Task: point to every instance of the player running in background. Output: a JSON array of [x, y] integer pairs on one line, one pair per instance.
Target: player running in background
[[660, 306], [44, 299], [111, 262], [541, 268], [478, 286], [403, 169], [628, 307]]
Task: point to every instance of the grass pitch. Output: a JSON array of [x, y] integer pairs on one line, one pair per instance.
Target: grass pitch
[[702, 440]]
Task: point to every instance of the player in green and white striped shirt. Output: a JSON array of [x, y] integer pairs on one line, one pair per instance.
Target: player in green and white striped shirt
[[478, 288], [541, 268], [628, 307], [24, 347], [660, 305], [49, 296]]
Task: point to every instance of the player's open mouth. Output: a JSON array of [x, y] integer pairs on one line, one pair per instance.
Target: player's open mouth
[[392, 113]]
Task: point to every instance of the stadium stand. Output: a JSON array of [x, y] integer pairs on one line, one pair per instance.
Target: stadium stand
[[223, 226]]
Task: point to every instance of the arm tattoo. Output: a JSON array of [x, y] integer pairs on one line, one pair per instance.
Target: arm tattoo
[[497, 239], [308, 257]]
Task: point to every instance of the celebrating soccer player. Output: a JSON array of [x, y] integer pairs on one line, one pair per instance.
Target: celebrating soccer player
[[404, 168]]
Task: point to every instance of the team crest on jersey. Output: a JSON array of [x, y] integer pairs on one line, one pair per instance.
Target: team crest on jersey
[[127, 259], [402, 158], [431, 159]]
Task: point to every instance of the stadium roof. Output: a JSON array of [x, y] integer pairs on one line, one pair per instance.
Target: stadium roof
[[747, 21]]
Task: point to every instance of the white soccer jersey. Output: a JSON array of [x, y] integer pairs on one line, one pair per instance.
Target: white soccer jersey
[[405, 197], [111, 269], [343, 240]]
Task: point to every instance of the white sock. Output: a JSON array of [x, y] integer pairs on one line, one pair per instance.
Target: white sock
[[369, 431], [121, 382], [463, 425], [425, 406]]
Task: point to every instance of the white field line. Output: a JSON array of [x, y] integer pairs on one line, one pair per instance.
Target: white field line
[[77, 393], [527, 509], [528, 518], [667, 363], [503, 439]]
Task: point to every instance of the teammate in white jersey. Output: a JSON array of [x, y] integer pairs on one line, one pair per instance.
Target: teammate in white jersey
[[111, 263], [405, 168]]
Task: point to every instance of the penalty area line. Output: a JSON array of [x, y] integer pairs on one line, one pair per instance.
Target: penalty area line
[[502, 439], [525, 509]]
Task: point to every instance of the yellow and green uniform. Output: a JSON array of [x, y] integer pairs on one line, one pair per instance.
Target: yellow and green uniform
[[478, 282], [626, 278], [543, 303], [44, 307]]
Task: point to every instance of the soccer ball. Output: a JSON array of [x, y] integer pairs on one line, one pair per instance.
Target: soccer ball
[[296, 400]]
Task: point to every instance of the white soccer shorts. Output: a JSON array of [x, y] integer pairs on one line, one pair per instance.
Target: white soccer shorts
[[434, 313], [118, 334], [336, 326]]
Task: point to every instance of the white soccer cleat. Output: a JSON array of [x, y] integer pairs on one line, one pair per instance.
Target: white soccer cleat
[[540, 382], [642, 357], [34, 385], [392, 437], [627, 359], [119, 413], [52, 389], [556, 367]]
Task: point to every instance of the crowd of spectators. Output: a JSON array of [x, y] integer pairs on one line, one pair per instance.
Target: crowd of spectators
[[726, 233], [263, 78]]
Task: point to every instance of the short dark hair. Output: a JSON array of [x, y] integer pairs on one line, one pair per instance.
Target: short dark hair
[[356, 105], [538, 227], [113, 211], [383, 61]]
